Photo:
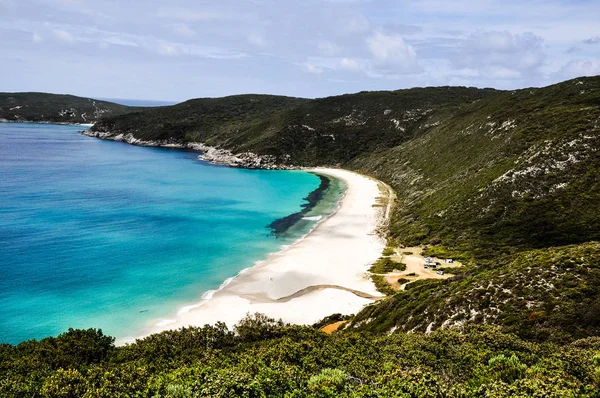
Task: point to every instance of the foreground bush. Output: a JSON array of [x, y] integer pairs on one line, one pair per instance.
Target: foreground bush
[[269, 359]]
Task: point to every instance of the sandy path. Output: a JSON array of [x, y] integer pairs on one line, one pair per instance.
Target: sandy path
[[262, 298], [322, 274], [414, 265], [332, 327]]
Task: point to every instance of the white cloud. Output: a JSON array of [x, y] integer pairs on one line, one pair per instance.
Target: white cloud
[[314, 69], [392, 50], [256, 40], [63, 36], [501, 72], [36, 38], [345, 22], [501, 54], [580, 67], [187, 15], [350, 64], [328, 48], [356, 24], [184, 30], [68, 2], [167, 49]]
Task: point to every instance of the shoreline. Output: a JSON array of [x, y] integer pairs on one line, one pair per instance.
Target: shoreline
[[321, 273], [211, 154]]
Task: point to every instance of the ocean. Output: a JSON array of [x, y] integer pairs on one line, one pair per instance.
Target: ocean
[[107, 235]]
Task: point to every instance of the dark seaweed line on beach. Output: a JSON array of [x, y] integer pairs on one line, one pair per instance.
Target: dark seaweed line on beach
[[281, 225]]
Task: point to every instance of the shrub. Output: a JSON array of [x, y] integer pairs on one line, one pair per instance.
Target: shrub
[[385, 264], [328, 382], [507, 369], [64, 384], [389, 251], [257, 327]]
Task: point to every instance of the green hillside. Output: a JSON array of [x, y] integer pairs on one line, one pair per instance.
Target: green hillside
[[56, 108], [515, 170], [543, 295], [211, 120], [479, 174], [480, 171], [506, 181], [296, 131]]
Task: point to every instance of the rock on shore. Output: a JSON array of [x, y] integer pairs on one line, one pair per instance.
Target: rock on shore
[[247, 160]]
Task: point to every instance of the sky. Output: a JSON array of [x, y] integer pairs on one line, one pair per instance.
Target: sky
[[180, 49]]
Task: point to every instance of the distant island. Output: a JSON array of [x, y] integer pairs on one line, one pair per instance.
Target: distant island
[[488, 285]]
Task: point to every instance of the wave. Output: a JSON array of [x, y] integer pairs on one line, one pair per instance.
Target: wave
[[165, 322], [312, 218]]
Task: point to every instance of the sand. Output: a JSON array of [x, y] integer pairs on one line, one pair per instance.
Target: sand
[[414, 260], [321, 274]]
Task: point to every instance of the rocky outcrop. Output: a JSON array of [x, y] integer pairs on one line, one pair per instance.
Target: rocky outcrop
[[246, 160]]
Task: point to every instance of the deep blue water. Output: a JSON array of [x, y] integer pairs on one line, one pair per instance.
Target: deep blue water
[[102, 234]]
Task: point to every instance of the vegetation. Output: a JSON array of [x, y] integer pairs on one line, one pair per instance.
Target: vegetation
[[268, 359], [56, 108], [514, 171], [295, 131], [504, 181], [479, 172], [382, 286], [385, 264], [542, 295], [388, 251]]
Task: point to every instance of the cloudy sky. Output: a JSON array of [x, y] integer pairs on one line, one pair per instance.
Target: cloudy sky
[[179, 49]]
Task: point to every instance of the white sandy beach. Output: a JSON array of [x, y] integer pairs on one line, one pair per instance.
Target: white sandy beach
[[337, 253]]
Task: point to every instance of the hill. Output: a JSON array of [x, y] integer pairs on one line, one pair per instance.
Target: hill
[[481, 175], [506, 181], [295, 131], [480, 171], [56, 108]]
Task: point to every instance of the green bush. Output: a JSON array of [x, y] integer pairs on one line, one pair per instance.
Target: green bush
[[382, 286], [507, 369], [385, 264], [328, 383], [389, 251]]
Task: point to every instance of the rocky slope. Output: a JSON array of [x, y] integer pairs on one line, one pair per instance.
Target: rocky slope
[[225, 157]]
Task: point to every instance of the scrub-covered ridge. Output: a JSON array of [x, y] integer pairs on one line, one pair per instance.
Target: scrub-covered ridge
[[506, 182]]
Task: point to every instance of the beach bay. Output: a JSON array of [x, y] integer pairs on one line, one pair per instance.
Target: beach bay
[[113, 236]]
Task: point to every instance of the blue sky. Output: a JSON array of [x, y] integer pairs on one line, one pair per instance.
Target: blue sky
[[180, 49]]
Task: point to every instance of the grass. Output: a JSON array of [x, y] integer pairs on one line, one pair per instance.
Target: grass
[[389, 251], [382, 286], [385, 264]]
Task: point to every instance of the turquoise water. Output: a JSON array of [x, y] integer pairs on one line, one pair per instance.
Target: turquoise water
[[102, 234]]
